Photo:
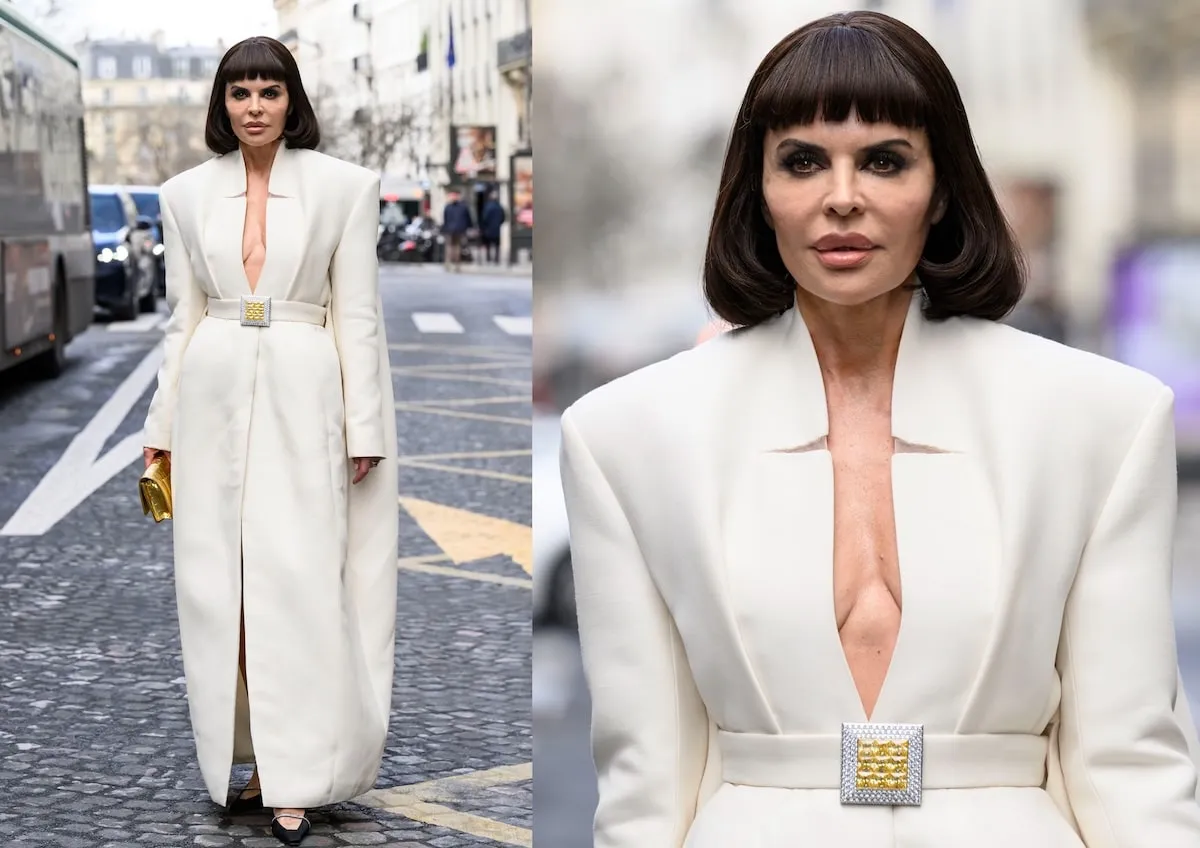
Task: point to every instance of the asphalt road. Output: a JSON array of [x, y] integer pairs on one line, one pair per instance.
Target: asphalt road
[[95, 743], [565, 786]]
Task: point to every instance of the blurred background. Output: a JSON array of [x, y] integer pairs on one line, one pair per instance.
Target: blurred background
[[1086, 114]]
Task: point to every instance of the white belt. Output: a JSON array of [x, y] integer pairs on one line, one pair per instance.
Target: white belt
[[883, 764], [261, 310]]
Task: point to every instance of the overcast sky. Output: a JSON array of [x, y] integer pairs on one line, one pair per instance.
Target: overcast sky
[[182, 21]]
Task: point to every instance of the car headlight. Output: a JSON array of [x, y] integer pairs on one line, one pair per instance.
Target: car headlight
[[159, 250], [122, 253], [105, 255]]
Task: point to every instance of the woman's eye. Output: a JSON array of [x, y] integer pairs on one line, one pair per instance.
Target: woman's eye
[[886, 162], [801, 162]]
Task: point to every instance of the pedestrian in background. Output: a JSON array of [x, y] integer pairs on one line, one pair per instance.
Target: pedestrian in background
[[752, 519], [491, 220], [456, 221], [275, 406]]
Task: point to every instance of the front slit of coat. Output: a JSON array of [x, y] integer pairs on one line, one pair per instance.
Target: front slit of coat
[[244, 640]]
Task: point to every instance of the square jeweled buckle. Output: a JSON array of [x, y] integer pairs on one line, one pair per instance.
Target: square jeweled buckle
[[881, 764], [256, 311]]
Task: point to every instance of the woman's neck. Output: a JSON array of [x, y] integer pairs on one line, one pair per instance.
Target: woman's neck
[[259, 159], [856, 345]]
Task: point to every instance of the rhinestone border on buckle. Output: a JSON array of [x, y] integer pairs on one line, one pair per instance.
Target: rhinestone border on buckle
[[905, 741], [263, 301]]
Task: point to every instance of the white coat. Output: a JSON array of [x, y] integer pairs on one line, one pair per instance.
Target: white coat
[[262, 423], [1035, 497]]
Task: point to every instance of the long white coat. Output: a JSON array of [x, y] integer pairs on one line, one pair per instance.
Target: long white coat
[[262, 423], [1035, 498]]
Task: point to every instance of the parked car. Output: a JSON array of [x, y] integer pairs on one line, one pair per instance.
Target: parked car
[[124, 253], [553, 581], [146, 200]]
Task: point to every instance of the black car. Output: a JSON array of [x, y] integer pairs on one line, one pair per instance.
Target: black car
[[146, 200], [124, 253]]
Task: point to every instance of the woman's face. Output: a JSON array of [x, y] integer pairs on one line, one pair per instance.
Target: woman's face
[[258, 110], [850, 204]]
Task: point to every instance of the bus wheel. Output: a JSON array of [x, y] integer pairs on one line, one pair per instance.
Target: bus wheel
[[52, 363]]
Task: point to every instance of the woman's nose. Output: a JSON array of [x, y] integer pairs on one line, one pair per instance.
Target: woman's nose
[[844, 196]]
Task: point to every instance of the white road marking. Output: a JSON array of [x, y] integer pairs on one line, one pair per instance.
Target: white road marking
[[143, 323], [436, 322], [515, 325], [81, 470]]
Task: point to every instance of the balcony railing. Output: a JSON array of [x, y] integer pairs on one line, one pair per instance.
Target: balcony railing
[[516, 51]]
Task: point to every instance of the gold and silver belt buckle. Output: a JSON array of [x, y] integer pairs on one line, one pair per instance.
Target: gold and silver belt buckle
[[882, 764], [256, 311]]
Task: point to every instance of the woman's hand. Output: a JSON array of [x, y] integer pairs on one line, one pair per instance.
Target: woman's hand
[[363, 464], [149, 453]]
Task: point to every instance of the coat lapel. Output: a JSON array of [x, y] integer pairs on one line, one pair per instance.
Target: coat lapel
[[778, 506], [226, 219]]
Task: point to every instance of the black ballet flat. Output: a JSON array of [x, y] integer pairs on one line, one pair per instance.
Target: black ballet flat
[[290, 837], [244, 803]]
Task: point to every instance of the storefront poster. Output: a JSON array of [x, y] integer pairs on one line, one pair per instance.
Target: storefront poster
[[522, 193], [473, 152]]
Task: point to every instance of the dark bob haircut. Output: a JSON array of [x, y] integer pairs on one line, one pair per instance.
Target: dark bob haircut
[[887, 73], [260, 58]]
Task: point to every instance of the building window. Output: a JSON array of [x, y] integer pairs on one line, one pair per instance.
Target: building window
[[210, 66], [106, 67], [108, 94], [183, 94], [144, 94], [183, 68], [143, 67]]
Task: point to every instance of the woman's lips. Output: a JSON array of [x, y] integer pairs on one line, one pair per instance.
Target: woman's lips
[[840, 258]]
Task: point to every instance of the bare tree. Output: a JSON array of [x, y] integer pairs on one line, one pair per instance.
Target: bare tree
[[376, 135], [173, 143]]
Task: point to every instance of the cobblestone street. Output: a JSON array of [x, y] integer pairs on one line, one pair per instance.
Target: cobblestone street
[[95, 740]]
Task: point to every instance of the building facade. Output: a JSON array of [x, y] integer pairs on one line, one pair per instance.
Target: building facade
[[392, 98], [145, 108]]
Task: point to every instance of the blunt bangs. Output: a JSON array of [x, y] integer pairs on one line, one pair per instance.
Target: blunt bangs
[[254, 61], [833, 72]]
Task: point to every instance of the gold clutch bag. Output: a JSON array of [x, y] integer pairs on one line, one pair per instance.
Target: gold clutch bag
[[155, 489]]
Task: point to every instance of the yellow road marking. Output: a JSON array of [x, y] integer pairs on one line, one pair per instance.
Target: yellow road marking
[[464, 378], [472, 416], [464, 366], [471, 401], [500, 454], [466, 536], [418, 802], [465, 574], [469, 472]]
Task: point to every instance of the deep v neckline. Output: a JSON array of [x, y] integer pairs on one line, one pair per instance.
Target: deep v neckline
[[843, 659], [252, 288]]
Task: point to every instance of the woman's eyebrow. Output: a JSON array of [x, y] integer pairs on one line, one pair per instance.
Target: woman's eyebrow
[[816, 148]]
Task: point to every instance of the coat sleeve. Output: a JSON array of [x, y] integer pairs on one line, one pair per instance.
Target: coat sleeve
[[354, 280], [1126, 766], [187, 301], [649, 725]]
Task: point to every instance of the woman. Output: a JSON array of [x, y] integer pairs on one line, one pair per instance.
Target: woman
[[874, 569], [275, 405]]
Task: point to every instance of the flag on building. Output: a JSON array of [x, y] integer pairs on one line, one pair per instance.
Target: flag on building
[[450, 49]]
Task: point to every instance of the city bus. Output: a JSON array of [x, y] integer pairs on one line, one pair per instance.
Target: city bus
[[47, 260]]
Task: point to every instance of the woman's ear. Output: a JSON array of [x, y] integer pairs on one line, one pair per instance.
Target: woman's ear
[[941, 201]]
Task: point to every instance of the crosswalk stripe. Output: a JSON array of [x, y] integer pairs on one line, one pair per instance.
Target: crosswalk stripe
[[143, 323], [515, 325], [436, 322]]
